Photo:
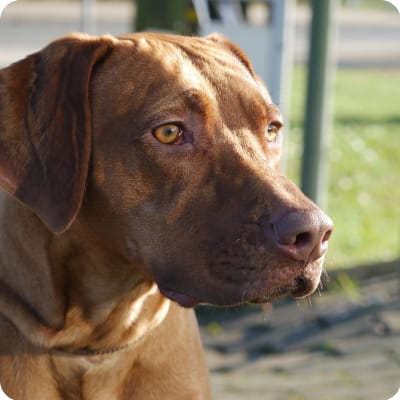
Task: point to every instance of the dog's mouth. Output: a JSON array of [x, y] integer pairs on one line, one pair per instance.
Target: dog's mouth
[[182, 299], [300, 287]]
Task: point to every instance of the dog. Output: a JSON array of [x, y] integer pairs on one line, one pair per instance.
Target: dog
[[140, 177]]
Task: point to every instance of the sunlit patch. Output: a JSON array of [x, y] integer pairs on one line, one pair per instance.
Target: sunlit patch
[[3, 396], [396, 4], [396, 396], [137, 308], [4, 4]]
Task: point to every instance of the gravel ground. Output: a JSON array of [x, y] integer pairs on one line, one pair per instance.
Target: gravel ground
[[342, 344]]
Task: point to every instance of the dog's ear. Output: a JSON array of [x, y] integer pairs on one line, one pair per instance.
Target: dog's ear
[[45, 127]]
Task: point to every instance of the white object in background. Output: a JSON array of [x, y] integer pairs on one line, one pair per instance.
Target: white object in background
[[88, 16], [396, 396], [396, 4], [3, 396], [4, 4]]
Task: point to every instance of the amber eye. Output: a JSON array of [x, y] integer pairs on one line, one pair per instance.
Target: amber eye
[[272, 132], [168, 134]]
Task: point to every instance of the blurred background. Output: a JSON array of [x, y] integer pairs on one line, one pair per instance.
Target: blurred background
[[334, 68]]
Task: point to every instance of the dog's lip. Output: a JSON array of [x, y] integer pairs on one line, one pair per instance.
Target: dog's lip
[[182, 299], [299, 288], [272, 295], [304, 287]]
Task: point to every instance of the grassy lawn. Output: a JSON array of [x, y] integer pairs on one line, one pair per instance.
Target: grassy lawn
[[364, 163]]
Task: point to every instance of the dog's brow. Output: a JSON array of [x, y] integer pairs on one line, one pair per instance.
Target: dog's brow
[[195, 100], [273, 109], [187, 99]]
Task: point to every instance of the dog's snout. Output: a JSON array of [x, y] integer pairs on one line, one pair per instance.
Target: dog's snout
[[303, 235]]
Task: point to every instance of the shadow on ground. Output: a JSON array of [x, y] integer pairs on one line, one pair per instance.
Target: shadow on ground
[[341, 344]]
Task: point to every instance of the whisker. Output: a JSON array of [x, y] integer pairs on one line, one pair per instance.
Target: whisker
[[267, 309]]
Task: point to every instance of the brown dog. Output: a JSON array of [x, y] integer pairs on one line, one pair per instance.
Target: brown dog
[[142, 180]]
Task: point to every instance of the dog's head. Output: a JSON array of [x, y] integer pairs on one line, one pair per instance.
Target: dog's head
[[166, 148]]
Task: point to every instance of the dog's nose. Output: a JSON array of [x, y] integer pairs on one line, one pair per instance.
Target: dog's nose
[[303, 235]]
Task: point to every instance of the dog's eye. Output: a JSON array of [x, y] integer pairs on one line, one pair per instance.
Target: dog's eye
[[168, 134], [272, 131]]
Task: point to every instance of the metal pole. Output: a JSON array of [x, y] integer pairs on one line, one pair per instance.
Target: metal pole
[[162, 15], [88, 16], [314, 176], [282, 49], [283, 15]]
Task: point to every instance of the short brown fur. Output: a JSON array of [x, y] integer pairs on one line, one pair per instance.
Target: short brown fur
[[106, 232]]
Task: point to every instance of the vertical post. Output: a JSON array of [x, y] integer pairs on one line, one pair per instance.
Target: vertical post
[[88, 16], [282, 50], [168, 15], [282, 22], [314, 174]]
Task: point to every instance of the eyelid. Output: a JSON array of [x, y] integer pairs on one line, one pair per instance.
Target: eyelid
[[274, 114], [277, 123], [169, 122]]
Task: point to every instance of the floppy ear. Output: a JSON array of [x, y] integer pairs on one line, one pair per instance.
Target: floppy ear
[[45, 127]]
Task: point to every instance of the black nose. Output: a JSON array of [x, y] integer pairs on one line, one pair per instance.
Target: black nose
[[303, 235]]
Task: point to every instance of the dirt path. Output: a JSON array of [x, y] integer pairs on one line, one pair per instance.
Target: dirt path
[[345, 345]]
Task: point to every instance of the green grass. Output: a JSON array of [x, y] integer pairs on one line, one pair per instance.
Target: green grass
[[364, 163], [375, 5], [364, 4]]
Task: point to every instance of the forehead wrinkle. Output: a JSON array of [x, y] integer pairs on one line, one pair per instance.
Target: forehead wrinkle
[[251, 108], [197, 94], [179, 104], [183, 88], [197, 101]]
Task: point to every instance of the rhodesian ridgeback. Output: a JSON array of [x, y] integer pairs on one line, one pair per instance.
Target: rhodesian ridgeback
[[140, 178]]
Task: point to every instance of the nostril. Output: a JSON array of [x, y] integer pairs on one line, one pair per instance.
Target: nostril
[[292, 238], [326, 236], [303, 239], [322, 247], [303, 235]]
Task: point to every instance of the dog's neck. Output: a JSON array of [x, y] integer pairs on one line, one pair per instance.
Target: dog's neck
[[71, 298]]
